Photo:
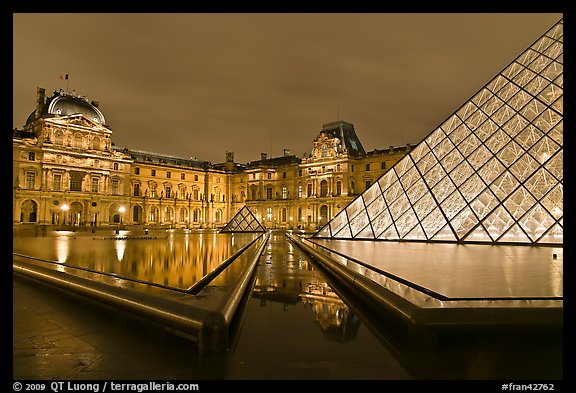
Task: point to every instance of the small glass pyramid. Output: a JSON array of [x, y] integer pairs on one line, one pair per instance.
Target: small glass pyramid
[[243, 221]]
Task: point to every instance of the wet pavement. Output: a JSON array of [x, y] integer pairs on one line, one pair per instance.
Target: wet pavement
[[296, 324]]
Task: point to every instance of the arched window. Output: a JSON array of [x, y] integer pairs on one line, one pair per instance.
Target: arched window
[[153, 214], [183, 215]]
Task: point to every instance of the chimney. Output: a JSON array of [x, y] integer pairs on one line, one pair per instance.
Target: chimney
[[229, 166], [286, 152], [263, 156], [40, 96]]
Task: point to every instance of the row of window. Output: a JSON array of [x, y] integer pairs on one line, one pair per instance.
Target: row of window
[[322, 170], [169, 175], [75, 182], [78, 141]]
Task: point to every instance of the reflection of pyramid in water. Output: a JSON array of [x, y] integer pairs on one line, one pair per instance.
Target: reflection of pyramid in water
[[492, 172], [243, 221]]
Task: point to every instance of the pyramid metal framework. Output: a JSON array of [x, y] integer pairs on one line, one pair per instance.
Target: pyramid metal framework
[[492, 172], [243, 221]]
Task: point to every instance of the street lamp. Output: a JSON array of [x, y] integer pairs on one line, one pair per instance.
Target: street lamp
[[65, 208], [121, 210]]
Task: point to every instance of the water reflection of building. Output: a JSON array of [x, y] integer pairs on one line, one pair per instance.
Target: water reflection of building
[[298, 283], [68, 172]]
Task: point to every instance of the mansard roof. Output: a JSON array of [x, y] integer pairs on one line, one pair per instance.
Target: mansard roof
[[344, 131]]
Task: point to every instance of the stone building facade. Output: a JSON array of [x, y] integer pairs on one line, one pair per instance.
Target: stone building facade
[[68, 173]]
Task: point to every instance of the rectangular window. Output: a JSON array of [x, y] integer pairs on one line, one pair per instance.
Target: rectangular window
[[383, 165], [300, 191], [31, 156], [168, 174], [153, 172], [30, 180], [309, 191], [115, 166], [182, 176], [136, 171], [76, 181], [268, 192], [284, 192], [367, 167], [352, 166], [269, 175], [367, 184], [196, 194], [299, 172], [57, 182], [338, 188], [168, 192], [115, 187], [95, 184], [136, 189], [153, 190], [284, 175], [195, 177]]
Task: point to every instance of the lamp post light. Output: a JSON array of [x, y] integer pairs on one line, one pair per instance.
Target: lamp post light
[[65, 208], [121, 209]]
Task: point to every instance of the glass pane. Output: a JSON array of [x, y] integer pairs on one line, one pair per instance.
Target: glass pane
[[491, 170], [504, 185], [399, 206], [524, 167], [381, 222], [484, 204], [443, 189], [536, 222], [519, 202], [554, 202], [358, 222], [540, 183], [461, 173], [433, 222], [464, 222], [498, 222], [376, 207]]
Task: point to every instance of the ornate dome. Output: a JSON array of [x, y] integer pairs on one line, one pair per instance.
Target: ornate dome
[[67, 104]]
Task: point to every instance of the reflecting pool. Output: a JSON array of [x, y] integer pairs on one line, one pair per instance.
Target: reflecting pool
[[173, 258]]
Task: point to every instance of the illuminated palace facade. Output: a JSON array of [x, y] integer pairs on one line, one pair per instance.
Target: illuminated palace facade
[[68, 173]]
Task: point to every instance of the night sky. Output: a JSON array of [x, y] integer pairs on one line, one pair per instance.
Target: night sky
[[198, 85]]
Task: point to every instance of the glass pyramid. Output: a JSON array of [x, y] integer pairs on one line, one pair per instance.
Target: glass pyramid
[[492, 172], [243, 221]]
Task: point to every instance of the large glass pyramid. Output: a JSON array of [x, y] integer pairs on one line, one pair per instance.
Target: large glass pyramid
[[492, 172], [243, 221]]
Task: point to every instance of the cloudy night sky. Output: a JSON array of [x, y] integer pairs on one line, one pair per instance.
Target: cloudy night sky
[[198, 85]]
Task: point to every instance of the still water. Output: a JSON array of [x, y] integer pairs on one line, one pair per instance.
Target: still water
[[296, 323], [173, 258]]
